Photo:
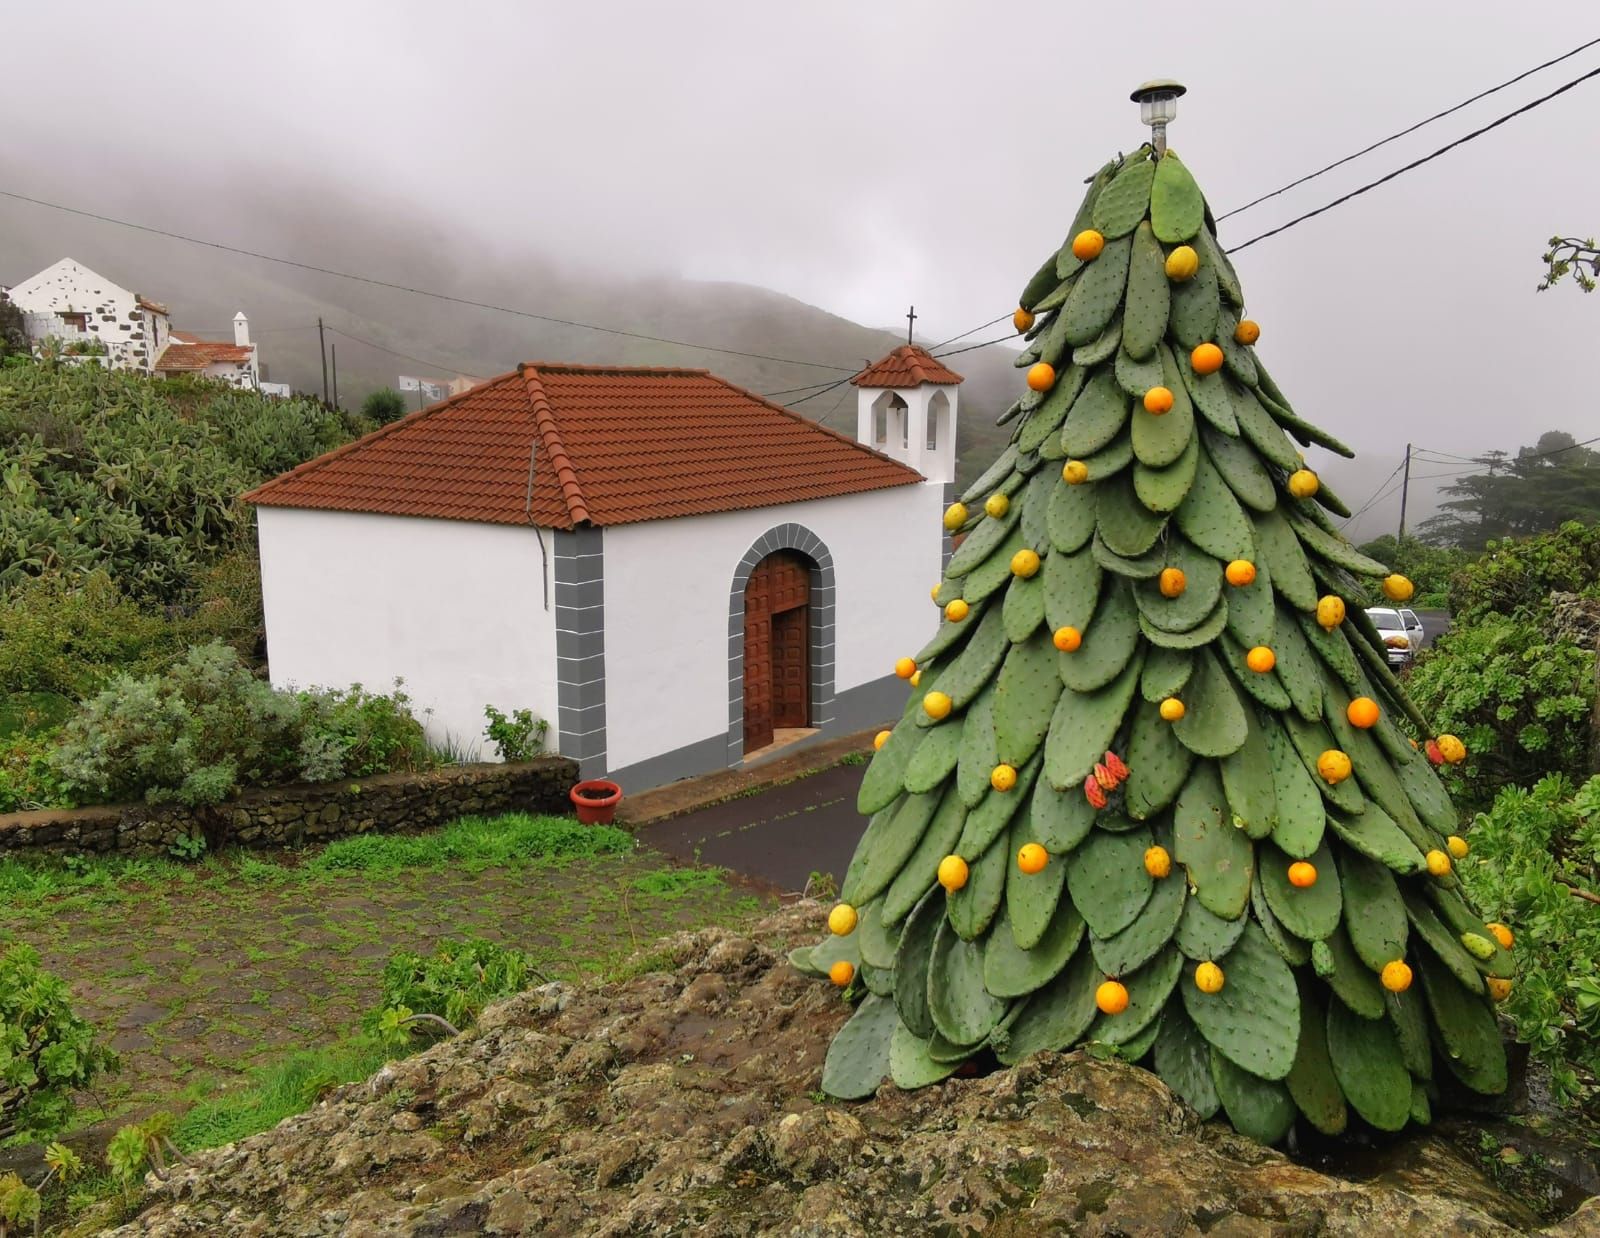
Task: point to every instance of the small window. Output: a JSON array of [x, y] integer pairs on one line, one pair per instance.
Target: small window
[[75, 322], [933, 430], [905, 425], [880, 425]]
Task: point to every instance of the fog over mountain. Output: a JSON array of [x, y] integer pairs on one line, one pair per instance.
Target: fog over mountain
[[767, 179]]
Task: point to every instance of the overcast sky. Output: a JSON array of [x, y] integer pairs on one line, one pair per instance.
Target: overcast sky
[[863, 154]]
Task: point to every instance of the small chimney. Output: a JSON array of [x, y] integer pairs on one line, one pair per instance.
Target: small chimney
[[241, 330]]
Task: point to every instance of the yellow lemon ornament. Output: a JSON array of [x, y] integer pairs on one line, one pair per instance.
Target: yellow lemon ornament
[[955, 516], [842, 920], [1182, 263], [1208, 978], [952, 873]]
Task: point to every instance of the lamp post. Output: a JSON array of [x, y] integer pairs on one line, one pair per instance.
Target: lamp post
[[1158, 105]]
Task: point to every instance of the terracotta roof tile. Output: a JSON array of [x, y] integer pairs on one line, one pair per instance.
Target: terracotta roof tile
[[191, 354], [907, 366], [614, 446]]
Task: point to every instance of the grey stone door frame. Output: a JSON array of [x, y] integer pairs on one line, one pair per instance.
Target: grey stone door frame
[[798, 538]]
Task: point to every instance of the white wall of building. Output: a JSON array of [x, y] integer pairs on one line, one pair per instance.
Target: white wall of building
[[666, 607], [897, 422], [455, 609], [133, 336]]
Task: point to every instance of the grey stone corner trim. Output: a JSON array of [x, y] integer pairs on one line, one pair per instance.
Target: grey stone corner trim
[[796, 537], [946, 543], [580, 615]]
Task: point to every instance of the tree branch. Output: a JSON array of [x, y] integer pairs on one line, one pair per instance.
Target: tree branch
[[450, 1027], [1570, 254], [1579, 892]]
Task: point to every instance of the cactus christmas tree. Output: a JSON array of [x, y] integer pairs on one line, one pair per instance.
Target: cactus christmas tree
[[1156, 786]]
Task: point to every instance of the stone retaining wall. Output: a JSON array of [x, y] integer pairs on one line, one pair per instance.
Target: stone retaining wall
[[285, 816]]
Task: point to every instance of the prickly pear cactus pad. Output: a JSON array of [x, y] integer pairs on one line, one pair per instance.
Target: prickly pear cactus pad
[[1155, 786]]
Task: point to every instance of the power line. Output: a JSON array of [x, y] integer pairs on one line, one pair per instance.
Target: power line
[[395, 352], [970, 347], [420, 292], [1417, 163], [1367, 150], [969, 331], [1376, 493]]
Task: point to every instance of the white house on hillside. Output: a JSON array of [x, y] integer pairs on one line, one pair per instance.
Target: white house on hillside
[[673, 571], [92, 318]]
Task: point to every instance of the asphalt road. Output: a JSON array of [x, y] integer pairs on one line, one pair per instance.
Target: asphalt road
[[1435, 623]]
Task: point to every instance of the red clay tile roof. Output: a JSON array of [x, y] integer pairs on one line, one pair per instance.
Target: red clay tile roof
[[188, 353], [907, 366], [147, 303], [611, 445]]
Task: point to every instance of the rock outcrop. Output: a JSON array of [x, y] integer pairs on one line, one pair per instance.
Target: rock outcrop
[[683, 1101]]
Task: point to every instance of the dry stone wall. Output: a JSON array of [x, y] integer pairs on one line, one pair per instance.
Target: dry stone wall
[[286, 816]]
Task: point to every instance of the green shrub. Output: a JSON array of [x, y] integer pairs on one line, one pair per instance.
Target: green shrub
[[1529, 852], [1428, 567], [27, 778], [1519, 701], [476, 841], [207, 727], [1513, 577], [46, 1051], [383, 406], [71, 636], [517, 738], [455, 983]]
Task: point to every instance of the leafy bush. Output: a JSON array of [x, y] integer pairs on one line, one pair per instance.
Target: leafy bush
[[1428, 567], [207, 727], [1517, 576], [108, 469], [1530, 851], [1519, 700], [474, 842], [455, 983], [517, 738], [383, 406], [46, 1051], [27, 779]]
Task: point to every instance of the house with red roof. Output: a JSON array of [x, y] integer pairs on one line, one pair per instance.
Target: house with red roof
[[234, 364], [676, 573]]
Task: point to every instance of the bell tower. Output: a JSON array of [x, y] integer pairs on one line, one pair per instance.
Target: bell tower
[[906, 409]]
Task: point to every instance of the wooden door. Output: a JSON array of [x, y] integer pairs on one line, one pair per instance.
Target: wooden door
[[776, 647]]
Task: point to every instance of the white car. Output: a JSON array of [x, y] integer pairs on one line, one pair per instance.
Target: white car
[[1401, 631]]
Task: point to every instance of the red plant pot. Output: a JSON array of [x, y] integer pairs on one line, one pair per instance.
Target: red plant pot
[[596, 799]]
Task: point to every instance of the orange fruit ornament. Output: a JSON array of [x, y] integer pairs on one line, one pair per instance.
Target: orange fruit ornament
[[1396, 976], [957, 610], [1208, 978], [952, 873], [1240, 572], [1158, 400], [1452, 749], [842, 972], [1172, 582], [1086, 246], [1074, 472], [1067, 639], [1247, 332], [916, 677], [1021, 320], [1172, 710], [1111, 997], [1025, 563], [1003, 777], [1438, 863], [1334, 766], [1362, 712], [1501, 934], [1499, 989], [1206, 359], [905, 668], [996, 506], [937, 705], [879, 740], [1457, 846], [1302, 875], [1398, 588], [1041, 376], [1261, 659], [842, 920], [1157, 862], [1303, 483], [1032, 858], [1330, 612]]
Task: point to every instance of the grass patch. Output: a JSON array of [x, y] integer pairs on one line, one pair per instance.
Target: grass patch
[[479, 840], [672, 884], [276, 1092]]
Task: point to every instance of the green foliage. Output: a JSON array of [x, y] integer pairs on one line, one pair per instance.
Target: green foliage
[[1538, 489], [27, 780], [473, 840], [455, 983], [273, 1093], [107, 469], [207, 727], [46, 1051], [1513, 577], [673, 884], [1519, 700], [13, 330], [383, 406], [517, 738], [1571, 255], [1428, 567], [1529, 852]]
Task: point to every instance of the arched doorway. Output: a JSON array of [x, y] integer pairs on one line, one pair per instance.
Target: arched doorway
[[777, 647]]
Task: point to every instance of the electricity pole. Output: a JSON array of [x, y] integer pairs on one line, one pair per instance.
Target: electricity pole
[[322, 343], [1405, 486], [336, 375]]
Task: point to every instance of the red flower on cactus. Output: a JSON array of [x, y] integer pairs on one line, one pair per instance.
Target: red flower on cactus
[[1119, 771], [1093, 792]]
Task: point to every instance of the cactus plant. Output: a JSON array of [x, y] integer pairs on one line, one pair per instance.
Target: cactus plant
[[1138, 707]]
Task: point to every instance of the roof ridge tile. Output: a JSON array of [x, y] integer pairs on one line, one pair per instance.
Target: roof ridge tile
[[544, 420]]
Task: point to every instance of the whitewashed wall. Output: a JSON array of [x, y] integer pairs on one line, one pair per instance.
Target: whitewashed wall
[[666, 607], [455, 609], [133, 336]]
